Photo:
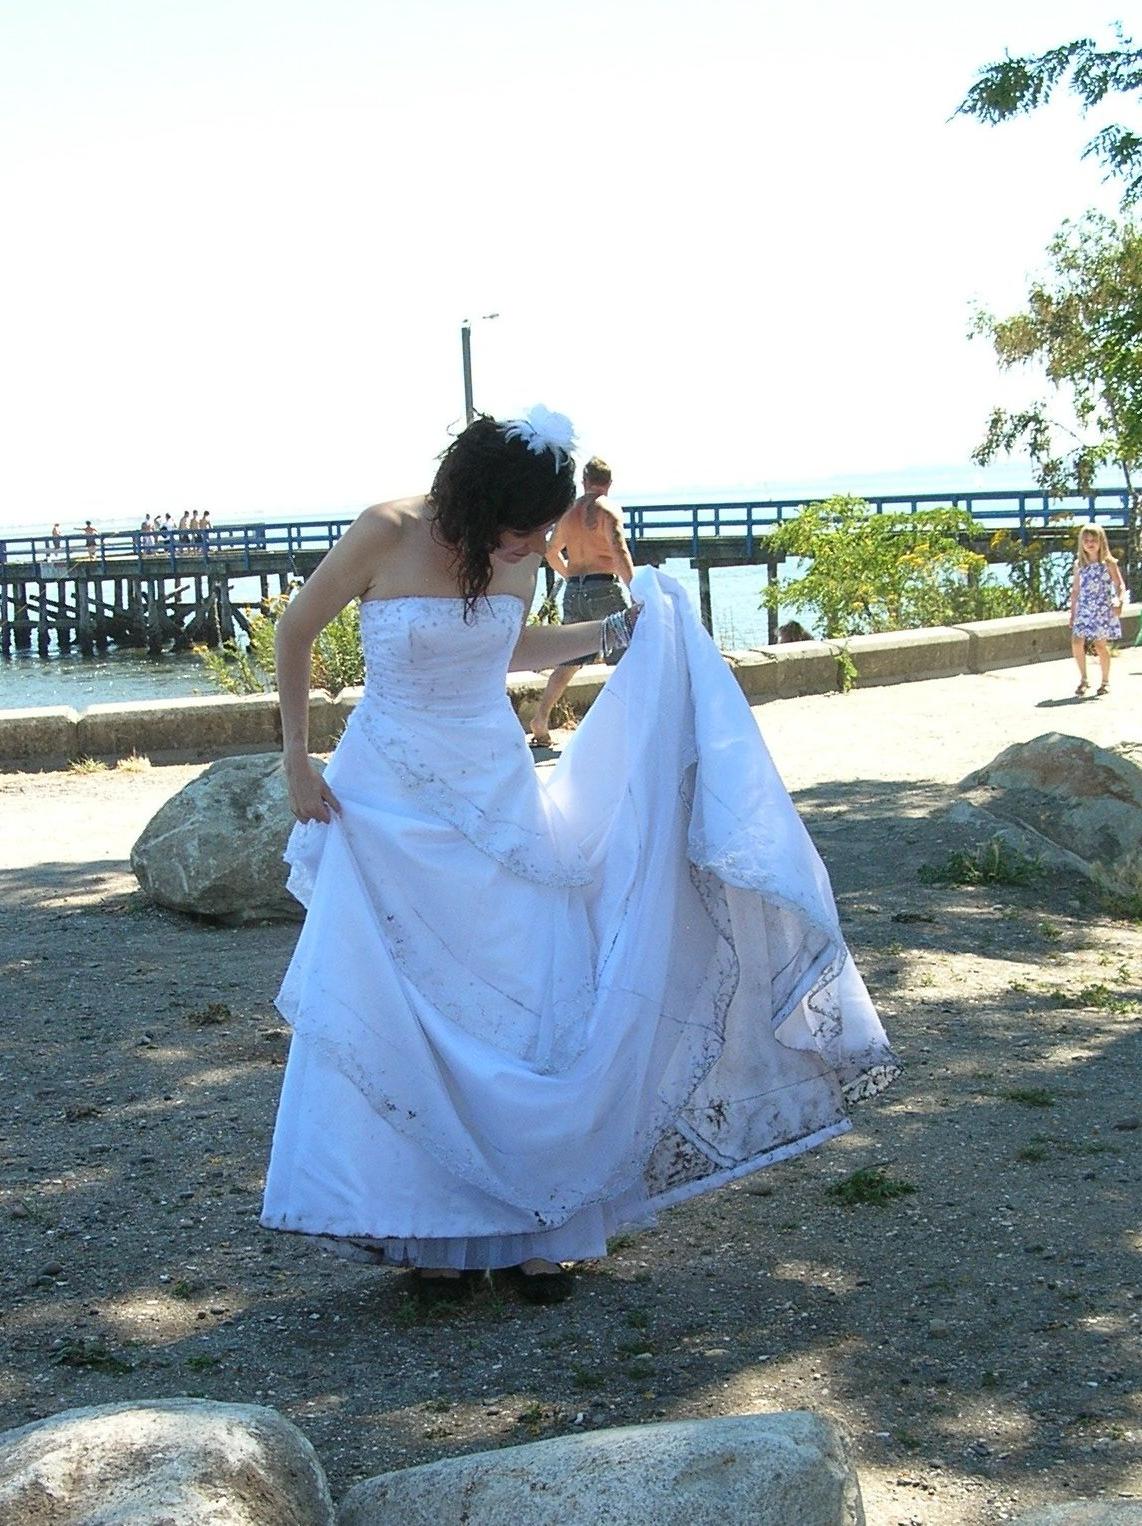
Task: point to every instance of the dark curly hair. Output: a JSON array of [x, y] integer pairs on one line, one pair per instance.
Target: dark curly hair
[[486, 484]]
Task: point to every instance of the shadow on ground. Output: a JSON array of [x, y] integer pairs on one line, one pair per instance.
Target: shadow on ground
[[978, 1335]]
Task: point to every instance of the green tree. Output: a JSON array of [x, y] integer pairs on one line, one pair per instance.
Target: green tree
[[1016, 85], [1082, 324], [885, 572]]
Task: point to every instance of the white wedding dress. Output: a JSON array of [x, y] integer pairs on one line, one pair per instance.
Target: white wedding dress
[[527, 1012]]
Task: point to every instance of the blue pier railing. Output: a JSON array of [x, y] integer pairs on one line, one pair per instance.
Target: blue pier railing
[[245, 547]]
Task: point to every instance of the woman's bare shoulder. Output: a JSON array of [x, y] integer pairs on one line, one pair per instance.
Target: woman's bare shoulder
[[392, 518]]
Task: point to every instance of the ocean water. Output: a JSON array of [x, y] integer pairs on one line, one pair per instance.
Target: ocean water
[[110, 677], [739, 621]]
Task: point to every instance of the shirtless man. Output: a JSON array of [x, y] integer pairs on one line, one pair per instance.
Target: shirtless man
[[588, 549]]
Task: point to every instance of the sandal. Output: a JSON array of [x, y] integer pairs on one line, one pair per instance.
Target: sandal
[[1101, 690], [429, 1290], [539, 739], [1082, 688]]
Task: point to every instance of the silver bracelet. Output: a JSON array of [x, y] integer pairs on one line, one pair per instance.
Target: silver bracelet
[[616, 634]]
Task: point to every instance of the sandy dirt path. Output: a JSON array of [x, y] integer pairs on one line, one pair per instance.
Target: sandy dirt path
[[979, 1336]]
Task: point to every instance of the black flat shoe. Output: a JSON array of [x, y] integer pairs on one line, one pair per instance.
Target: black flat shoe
[[539, 1287], [437, 1290]]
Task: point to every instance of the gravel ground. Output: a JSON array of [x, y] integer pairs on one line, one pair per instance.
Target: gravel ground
[[979, 1335]]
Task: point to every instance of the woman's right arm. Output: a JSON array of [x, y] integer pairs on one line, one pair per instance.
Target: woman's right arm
[[1074, 592], [343, 574]]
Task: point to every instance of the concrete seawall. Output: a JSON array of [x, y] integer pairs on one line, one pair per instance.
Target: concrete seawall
[[212, 727]]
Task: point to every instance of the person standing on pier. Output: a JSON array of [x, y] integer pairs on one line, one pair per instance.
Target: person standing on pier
[[184, 528], [588, 549], [204, 529], [91, 537]]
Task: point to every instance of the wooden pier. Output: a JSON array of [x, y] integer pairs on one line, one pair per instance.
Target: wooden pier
[[90, 590]]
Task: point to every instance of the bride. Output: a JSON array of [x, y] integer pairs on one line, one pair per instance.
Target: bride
[[527, 1013]]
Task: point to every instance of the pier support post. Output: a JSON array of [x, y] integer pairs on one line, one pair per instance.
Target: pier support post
[[153, 617], [705, 603], [21, 619], [225, 615], [771, 580], [83, 629], [63, 619], [43, 633]]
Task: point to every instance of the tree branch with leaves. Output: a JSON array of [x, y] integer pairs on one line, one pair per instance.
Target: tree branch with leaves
[[1014, 86], [1083, 325]]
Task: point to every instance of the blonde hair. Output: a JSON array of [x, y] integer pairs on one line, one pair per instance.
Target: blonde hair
[[597, 470], [1103, 545]]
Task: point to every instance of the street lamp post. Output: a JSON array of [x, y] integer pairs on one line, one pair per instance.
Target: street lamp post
[[466, 355]]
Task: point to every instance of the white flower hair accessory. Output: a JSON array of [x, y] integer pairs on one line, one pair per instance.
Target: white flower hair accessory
[[541, 430]]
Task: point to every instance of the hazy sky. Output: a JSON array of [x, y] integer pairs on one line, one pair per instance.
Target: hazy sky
[[736, 240]]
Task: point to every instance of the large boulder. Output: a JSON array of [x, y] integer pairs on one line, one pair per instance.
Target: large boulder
[[1084, 800], [171, 1462], [215, 848], [725, 1472]]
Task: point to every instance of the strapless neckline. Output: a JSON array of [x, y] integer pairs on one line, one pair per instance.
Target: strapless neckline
[[439, 598]]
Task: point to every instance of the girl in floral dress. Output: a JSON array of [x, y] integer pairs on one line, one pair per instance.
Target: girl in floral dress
[[1097, 593]]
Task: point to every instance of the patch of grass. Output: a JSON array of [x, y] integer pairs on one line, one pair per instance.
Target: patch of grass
[[134, 763], [634, 1348], [638, 1319], [184, 1289], [86, 766], [1127, 908], [93, 1355], [206, 1017], [585, 1379], [438, 1406], [991, 863], [534, 1417], [1050, 930], [1033, 1153], [619, 1243], [847, 671], [1100, 997], [871, 1184], [1030, 1096]]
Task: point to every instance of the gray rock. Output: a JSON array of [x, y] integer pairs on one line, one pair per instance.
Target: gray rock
[[736, 1469], [981, 826], [1086, 1513], [172, 1462], [1085, 801], [215, 848]]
